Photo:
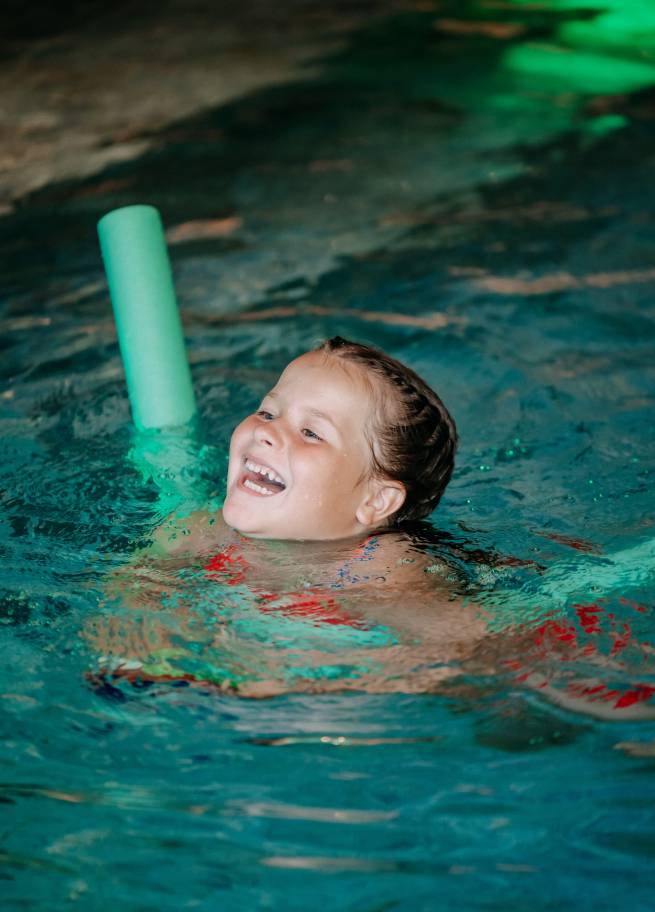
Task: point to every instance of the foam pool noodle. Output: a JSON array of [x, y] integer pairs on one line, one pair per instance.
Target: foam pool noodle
[[167, 449], [147, 318]]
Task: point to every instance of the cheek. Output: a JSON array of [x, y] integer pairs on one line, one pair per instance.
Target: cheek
[[331, 477], [241, 433], [239, 436]]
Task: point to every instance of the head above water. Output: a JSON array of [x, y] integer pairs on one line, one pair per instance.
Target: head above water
[[348, 441]]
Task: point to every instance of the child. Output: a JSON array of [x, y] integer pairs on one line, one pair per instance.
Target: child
[[349, 442], [347, 446]]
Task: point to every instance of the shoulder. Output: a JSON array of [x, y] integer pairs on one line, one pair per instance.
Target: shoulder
[[387, 556], [192, 534], [415, 591]]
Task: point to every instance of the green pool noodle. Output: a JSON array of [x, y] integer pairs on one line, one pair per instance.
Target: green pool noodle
[[147, 317]]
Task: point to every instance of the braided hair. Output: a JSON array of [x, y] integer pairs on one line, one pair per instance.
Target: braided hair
[[413, 438]]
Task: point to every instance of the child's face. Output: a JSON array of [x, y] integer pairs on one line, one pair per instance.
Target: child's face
[[308, 435]]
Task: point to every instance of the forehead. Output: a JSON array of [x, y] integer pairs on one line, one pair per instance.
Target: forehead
[[324, 382]]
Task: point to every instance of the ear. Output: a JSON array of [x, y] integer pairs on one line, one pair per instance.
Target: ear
[[383, 498]]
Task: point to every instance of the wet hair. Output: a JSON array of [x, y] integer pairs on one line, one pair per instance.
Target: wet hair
[[413, 438]]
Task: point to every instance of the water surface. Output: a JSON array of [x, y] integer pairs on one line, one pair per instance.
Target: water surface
[[469, 188]]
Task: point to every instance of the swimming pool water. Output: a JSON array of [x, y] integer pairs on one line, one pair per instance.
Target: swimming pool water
[[444, 191]]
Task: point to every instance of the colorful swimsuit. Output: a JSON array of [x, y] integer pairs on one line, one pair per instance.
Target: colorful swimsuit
[[314, 603]]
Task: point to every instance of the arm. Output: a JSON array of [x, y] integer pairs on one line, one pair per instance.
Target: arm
[[146, 605]]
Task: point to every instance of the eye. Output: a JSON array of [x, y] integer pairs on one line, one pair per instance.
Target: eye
[[264, 415], [309, 434]]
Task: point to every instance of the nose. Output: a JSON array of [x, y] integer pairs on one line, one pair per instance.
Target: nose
[[268, 434]]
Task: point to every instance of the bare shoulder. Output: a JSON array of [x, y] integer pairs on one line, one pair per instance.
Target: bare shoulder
[[193, 534], [395, 557], [419, 593]]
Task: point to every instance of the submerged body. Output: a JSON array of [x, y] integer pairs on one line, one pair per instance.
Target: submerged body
[[304, 605], [210, 607]]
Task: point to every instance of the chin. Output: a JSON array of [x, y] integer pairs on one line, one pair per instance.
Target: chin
[[243, 524], [233, 516]]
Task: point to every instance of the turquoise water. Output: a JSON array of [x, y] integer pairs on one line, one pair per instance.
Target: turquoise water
[[441, 191]]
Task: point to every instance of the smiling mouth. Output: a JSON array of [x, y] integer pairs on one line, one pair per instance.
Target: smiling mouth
[[261, 479]]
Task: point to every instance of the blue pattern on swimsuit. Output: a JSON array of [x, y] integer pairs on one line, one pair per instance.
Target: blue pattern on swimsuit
[[344, 573]]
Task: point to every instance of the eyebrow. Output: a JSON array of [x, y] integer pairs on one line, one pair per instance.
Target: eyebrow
[[315, 413]]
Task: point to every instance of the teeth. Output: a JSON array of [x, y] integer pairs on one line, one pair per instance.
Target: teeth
[[258, 488], [262, 470]]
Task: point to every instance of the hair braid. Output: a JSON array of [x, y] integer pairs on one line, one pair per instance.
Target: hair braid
[[414, 438]]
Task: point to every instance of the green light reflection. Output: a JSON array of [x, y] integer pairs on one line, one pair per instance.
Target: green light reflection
[[612, 51]]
